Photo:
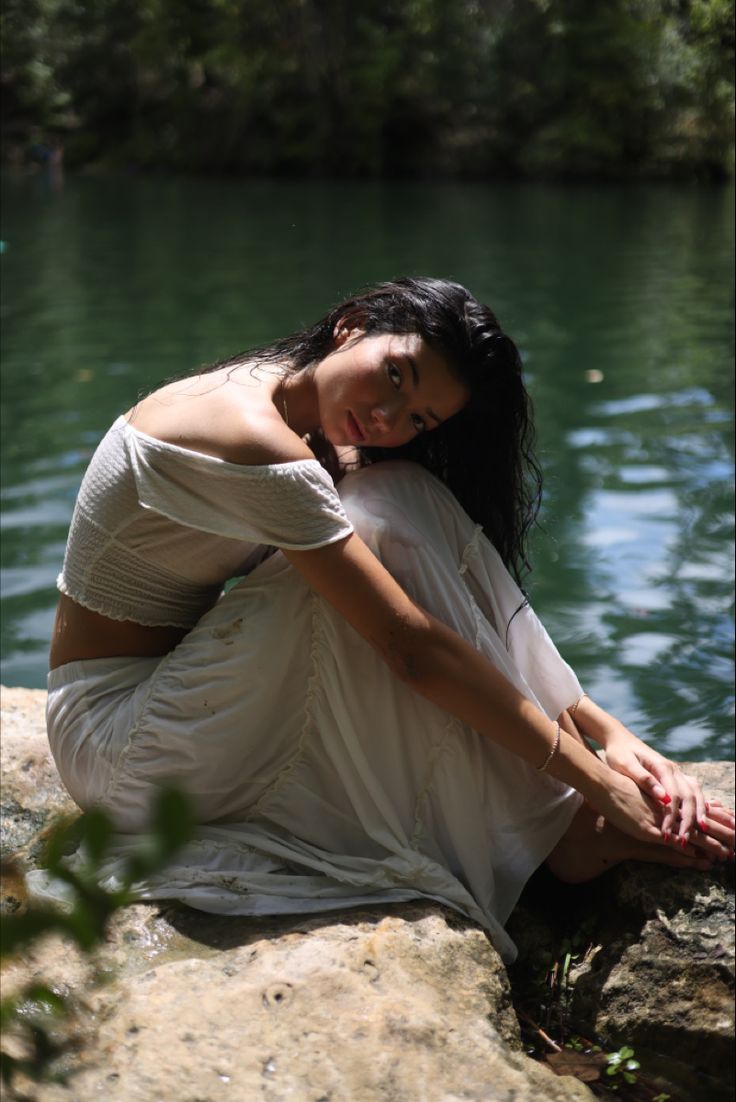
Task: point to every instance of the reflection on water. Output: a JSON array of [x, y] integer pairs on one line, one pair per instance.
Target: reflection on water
[[620, 300], [658, 525]]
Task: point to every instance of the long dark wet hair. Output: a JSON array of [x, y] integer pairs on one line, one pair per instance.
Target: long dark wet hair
[[485, 453]]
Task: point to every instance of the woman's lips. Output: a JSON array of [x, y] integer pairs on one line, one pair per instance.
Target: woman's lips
[[356, 429]]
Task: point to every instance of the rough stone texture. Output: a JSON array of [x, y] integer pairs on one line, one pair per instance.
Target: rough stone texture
[[661, 975], [31, 795], [358, 1007], [406, 1002], [389, 1004]]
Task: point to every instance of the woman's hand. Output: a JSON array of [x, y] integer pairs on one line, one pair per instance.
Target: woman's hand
[[623, 804], [715, 837], [680, 795], [687, 817]]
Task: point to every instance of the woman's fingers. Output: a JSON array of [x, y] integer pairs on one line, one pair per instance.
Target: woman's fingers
[[716, 812], [692, 808], [688, 822], [709, 845], [699, 798], [666, 780], [671, 816], [712, 839], [718, 822], [687, 806], [652, 784], [640, 771], [723, 832], [669, 820], [652, 773]]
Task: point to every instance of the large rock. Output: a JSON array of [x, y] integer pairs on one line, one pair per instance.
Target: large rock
[[665, 976], [355, 1007], [659, 972], [408, 1003], [31, 796]]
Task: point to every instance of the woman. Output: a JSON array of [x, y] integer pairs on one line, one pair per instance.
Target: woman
[[373, 712]]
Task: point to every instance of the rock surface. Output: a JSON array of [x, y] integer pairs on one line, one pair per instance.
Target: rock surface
[[32, 795], [407, 1003], [660, 976]]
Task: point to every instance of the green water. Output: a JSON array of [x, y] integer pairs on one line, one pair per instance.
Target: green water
[[110, 285]]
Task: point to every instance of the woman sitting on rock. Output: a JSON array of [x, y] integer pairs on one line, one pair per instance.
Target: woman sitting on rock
[[373, 712]]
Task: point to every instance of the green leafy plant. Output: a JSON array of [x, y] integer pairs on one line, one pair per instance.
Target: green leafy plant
[[544, 1006], [622, 1063], [34, 1015], [579, 1044]]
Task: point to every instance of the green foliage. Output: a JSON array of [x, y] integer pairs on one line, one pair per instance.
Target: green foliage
[[621, 1063], [33, 94], [376, 87], [616, 87], [545, 1009], [35, 1014]]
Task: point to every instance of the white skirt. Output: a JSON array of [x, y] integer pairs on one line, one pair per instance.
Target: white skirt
[[321, 781]]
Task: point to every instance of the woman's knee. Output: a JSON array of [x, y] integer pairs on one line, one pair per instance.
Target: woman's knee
[[400, 504]]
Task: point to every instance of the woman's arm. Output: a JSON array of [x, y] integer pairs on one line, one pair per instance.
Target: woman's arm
[[447, 670], [229, 422]]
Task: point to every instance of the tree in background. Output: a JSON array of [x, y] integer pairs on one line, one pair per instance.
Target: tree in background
[[33, 99], [483, 88]]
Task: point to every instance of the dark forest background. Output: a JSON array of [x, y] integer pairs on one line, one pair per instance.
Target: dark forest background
[[373, 88]]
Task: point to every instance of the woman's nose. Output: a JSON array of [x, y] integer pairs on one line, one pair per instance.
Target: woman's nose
[[386, 414]]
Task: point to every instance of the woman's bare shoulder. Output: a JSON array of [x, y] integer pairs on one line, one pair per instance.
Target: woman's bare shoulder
[[239, 424]]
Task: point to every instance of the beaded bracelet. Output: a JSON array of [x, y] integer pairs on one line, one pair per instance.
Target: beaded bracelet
[[571, 711], [553, 751]]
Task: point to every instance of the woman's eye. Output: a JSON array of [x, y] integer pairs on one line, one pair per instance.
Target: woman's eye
[[394, 375], [418, 422]]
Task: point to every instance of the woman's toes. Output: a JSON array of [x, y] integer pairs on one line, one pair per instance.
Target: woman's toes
[[709, 847]]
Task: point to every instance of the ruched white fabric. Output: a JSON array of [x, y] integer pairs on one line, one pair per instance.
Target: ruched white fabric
[[157, 528], [320, 780]]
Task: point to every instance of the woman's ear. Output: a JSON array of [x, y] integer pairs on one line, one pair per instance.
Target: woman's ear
[[346, 328]]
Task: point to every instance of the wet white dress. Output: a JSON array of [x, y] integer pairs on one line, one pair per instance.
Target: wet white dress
[[321, 781]]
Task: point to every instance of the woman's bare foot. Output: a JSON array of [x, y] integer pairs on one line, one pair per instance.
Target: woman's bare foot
[[591, 846]]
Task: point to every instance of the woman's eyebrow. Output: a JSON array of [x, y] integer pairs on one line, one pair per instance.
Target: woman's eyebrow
[[415, 376]]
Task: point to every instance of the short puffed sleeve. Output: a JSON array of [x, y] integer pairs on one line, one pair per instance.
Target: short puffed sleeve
[[289, 505]]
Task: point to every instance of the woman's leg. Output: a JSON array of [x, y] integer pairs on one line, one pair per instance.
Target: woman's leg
[[591, 847]]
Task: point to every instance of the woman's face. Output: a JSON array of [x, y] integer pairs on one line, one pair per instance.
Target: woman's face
[[382, 391]]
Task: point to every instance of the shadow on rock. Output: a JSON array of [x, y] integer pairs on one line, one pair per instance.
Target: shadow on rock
[[658, 974]]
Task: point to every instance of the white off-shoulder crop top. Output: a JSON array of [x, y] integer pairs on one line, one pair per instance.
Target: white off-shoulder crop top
[[157, 529]]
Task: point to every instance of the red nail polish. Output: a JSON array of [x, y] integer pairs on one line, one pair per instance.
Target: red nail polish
[[683, 841], [703, 825], [666, 799], [666, 835]]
